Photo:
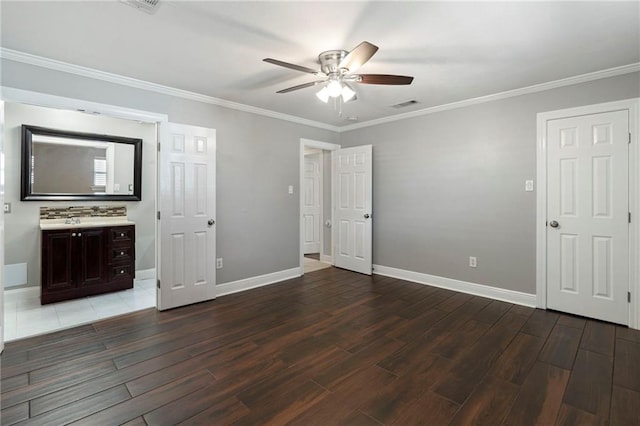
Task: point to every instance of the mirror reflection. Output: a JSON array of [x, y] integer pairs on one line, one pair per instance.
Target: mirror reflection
[[97, 167], [73, 166]]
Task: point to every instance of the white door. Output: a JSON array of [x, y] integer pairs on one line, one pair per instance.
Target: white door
[[311, 206], [2, 226], [587, 215], [187, 199], [352, 208]]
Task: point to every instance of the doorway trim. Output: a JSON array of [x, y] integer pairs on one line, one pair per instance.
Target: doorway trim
[[632, 105], [325, 146], [10, 94]]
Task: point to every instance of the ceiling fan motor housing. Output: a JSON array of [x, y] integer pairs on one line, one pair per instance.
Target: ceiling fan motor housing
[[330, 60]]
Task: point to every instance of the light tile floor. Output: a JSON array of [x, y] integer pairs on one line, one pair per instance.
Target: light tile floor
[[311, 265], [24, 316]]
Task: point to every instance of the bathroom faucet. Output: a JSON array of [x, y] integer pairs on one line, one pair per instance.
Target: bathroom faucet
[[72, 220]]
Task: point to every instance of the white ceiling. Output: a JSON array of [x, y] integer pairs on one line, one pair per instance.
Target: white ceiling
[[455, 50]]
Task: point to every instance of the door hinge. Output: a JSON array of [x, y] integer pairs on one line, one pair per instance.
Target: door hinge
[[158, 283], [158, 215], [158, 146], [629, 296], [629, 217], [629, 137]]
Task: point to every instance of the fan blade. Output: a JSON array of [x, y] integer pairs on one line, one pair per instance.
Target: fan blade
[[384, 79], [291, 66], [358, 56], [300, 86]]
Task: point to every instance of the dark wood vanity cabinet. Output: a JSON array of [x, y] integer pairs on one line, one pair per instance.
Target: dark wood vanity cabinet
[[86, 261], [121, 253]]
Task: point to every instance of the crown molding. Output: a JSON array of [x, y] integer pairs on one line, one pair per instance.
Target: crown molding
[[27, 58], [582, 78]]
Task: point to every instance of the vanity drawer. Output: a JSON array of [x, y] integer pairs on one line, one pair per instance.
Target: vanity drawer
[[120, 254], [120, 272], [122, 234]]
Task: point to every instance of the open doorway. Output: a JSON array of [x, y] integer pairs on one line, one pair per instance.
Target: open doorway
[[315, 205], [23, 314]]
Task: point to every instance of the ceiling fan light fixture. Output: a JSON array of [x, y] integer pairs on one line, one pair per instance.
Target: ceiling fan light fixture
[[347, 94], [336, 73], [334, 88], [323, 94]]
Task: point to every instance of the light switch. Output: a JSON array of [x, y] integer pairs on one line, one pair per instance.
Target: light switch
[[290, 189], [528, 185]]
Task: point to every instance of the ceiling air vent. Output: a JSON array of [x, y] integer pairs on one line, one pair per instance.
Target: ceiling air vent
[[405, 104], [148, 6]]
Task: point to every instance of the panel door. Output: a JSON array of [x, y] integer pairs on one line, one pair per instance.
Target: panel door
[[92, 246], [58, 266], [588, 205], [311, 203], [352, 203], [187, 222], [2, 326]]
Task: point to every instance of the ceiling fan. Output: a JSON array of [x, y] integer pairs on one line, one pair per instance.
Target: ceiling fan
[[337, 68]]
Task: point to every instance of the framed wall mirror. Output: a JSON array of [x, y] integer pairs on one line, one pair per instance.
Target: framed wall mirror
[[69, 166]]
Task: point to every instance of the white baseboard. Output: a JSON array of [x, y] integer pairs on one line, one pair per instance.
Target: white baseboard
[[254, 282], [326, 259], [24, 292], [496, 293], [15, 275], [146, 274]]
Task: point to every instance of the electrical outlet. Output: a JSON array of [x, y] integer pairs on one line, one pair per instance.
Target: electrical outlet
[[473, 262], [7, 207], [290, 189], [219, 263]]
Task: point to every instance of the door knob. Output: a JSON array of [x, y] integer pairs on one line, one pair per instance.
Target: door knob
[[554, 224], [211, 222], [366, 216]]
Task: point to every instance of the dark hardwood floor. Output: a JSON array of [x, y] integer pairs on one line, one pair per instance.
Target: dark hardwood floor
[[332, 347]]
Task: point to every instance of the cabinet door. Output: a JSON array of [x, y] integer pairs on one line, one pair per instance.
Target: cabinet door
[[57, 260], [92, 256]]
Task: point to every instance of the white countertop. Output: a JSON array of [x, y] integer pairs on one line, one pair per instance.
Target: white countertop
[[85, 222]]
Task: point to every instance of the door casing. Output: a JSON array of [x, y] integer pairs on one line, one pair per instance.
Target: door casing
[[10, 94], [309, 143], [632, 105]]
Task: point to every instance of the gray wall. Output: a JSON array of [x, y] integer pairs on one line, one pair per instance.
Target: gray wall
[[64, 168], [450, 185], [258, 222], [22, 235], [123, 159], [257, 159], [447, 185]]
